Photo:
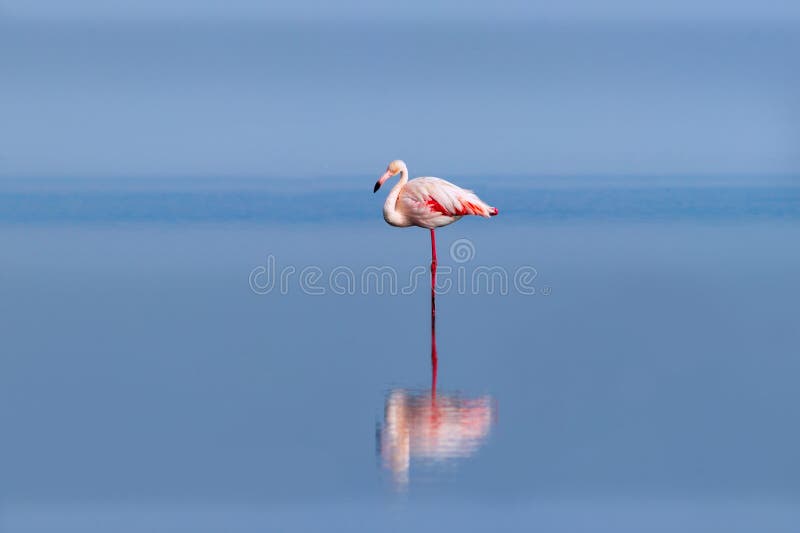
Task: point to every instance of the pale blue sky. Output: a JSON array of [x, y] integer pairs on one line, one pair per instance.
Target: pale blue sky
[[104, 88], [416, 9]]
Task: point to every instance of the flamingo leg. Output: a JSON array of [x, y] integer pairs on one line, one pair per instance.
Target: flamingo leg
[[434, 358]]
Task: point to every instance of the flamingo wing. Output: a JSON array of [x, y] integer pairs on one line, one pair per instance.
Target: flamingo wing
[[428, 199]]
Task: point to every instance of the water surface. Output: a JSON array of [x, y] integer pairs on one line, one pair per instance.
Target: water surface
[[648, 383]]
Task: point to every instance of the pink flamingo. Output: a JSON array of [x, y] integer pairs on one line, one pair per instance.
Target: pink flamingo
[[428, 203]]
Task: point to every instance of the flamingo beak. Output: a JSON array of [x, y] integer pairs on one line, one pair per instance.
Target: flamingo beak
[[386, 175]]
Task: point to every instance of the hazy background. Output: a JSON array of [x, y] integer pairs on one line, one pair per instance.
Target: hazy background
[[644, 158], [247, 88], [451, 10]]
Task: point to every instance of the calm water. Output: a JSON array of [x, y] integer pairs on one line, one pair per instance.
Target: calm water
[[150, 381]]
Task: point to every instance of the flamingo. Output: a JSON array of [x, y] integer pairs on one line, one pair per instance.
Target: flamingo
[[428, 203]]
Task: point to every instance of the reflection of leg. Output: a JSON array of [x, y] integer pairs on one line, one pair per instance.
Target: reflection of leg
[[434, 358]]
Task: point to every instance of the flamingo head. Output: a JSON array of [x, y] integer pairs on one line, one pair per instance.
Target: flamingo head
[[395, 167]]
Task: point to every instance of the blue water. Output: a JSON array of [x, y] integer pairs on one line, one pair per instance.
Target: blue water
[[337, 200], [647, 384]]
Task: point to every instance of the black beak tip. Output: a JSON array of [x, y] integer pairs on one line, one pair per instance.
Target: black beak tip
[[377, 186]]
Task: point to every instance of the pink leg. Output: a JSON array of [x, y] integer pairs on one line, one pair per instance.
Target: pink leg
[[434, 358]]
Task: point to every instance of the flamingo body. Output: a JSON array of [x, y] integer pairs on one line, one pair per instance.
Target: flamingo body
[[428, 202]]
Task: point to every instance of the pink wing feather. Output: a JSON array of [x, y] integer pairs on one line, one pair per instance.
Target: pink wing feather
[[435, 202]]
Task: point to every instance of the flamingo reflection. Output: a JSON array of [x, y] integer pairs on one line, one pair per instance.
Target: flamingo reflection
[[429, 426], [423, 425]]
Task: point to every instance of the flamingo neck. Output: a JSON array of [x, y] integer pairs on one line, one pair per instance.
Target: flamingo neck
[[395, 192], [390, 212]]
